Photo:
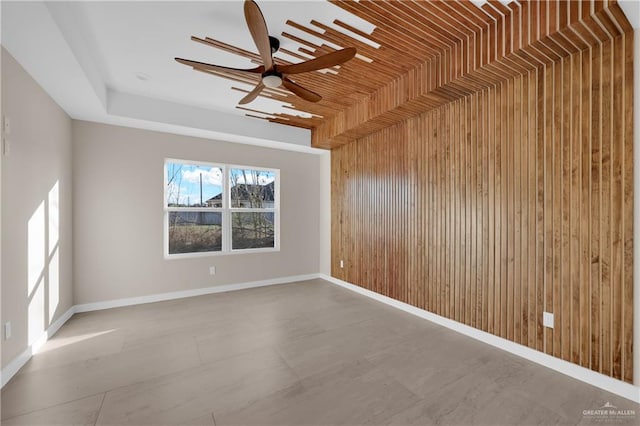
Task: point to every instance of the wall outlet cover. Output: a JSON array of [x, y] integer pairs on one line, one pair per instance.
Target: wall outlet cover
[[342, 263], [7, 330], [547, 319], [6, 125], [212, 270]]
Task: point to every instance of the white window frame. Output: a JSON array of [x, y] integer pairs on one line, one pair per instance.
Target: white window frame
[[275, 210], [226, 210]]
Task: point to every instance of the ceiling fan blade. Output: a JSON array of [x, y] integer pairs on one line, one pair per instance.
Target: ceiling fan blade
[[325, 61], [252, 95], [305, 94], [258, 28], [202, 65]]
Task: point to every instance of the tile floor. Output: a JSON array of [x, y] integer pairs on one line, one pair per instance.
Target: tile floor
[[307, 353]]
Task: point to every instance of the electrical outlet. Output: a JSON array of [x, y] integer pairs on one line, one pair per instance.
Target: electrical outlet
[[212, 270], [6, 125], [547, 319], [7, 330], [342, 263]]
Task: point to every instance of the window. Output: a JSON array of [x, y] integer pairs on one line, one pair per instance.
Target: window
[[252, 208], [216, 208]]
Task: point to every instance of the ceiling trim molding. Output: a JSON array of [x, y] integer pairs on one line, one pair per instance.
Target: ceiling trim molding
[[70, 24], [78, 87], [229, 127]]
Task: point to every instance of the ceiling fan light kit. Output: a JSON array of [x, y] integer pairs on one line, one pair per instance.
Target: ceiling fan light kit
[[271, 74], [272, 79]]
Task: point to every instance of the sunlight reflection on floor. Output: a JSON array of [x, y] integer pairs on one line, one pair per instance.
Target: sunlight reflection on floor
[[59, 342]]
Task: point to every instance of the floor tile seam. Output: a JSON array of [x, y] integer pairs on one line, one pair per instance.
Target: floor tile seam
[[297, 383], [22, 372], [390, 377], [100, 409], [229, 356], [313, 334], [105, 391], [380, 368], [248, 318], [555, 411], [272, 346], [535, 405], [261, 331], [351, 324], [83, 360], [139, 382], [195, 342], [52, 406], [149, 379], [289, 367], [310, 335]]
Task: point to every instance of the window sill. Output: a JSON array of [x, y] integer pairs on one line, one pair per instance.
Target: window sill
[[179, 256]]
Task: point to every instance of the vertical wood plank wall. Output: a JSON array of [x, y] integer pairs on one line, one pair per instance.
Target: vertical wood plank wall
[[504, 204]]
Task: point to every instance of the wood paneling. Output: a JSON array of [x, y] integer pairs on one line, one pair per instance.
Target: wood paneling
[[507, 202], [465, 49]]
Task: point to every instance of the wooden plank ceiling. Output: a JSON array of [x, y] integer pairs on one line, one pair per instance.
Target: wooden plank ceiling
[[430, 53]]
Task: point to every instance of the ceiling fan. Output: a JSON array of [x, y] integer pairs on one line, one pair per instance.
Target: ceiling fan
[[273, 75]]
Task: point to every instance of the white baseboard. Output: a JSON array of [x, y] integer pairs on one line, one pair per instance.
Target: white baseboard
[[16, 364], [117, 303], [585, 375]]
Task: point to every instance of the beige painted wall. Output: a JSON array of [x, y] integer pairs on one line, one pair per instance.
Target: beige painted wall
[[118, 214], [36, 245]]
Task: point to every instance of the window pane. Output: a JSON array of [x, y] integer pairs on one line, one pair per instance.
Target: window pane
[[192, 232], [252, 230], [252, 188], [192, 185]]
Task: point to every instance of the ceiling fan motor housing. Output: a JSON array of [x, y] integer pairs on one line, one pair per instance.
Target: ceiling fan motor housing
[[274, 43]]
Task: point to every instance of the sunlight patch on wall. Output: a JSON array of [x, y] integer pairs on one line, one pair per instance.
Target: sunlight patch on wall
[[54, 218], [54, 284], [54, 252], [43, 264], [36, 318], [36, 248]]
